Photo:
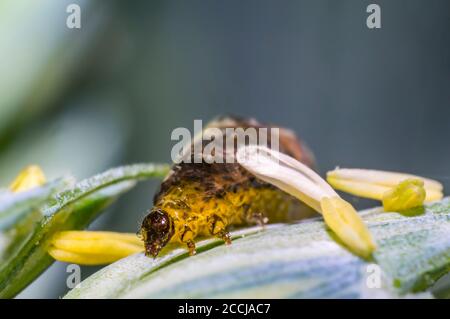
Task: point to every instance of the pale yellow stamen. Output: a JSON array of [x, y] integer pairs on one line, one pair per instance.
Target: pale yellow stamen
[[374, 184], [30, 177], [303, 183], [93, 247], [343, 219]]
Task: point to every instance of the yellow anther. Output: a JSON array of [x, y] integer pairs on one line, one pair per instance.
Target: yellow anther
[[407, 194], [93, 247], [303, 183], [28, 178], [343, 219], [375, 184]]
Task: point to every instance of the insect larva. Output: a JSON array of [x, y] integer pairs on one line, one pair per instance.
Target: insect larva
[[206, 199]]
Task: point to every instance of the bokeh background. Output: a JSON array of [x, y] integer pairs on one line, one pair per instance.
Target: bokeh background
[[79, 101]]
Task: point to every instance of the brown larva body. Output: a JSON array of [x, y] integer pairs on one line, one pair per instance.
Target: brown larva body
[[201, 199]]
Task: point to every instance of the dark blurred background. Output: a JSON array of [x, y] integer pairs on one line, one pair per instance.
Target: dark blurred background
[[82, 100]]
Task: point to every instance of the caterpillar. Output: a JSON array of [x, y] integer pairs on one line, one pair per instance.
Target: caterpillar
[[206, 199]]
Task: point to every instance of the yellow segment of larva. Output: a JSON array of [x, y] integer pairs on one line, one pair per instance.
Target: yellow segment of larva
[[193, 212]]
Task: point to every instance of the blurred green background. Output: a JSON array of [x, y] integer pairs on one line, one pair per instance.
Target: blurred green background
[[82, 100]]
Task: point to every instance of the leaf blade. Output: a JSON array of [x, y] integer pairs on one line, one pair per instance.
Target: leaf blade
[[291, 261], [71, 209]]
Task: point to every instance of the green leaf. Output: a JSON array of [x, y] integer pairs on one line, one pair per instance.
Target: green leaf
[[71, 209], [18, 213], [301, 260], [13, 206]]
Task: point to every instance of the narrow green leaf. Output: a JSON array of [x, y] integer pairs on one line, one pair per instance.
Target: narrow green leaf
[[301, 260], [13, 206], [71, 209], [19, 212]]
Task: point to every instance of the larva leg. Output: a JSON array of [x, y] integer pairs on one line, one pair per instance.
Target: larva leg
[[225, 236], [191, 247], [217, 228], [188, 238]]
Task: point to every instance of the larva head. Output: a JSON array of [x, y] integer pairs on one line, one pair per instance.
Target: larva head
[[157, 228]]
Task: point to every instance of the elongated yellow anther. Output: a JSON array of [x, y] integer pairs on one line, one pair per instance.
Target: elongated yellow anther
[[303, 183], [379, 185], [30, 177], [343, 219], [93, 247]]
